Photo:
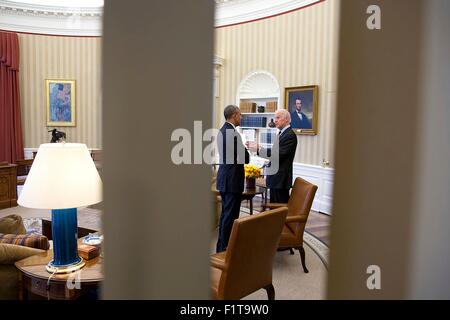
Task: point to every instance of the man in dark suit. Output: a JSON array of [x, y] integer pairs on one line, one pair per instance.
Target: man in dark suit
[[285, 146], [230, 177], [299, 120]]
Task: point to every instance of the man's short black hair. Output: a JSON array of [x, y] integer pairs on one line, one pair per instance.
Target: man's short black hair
[[229, 111]]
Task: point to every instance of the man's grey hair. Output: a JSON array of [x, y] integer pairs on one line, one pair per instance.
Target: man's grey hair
[[230, 110], [285, 114]]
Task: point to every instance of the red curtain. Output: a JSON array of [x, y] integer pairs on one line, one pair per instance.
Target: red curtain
[[11, 145]]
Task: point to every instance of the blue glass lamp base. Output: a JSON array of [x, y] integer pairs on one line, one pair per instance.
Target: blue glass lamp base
[[65, 242]]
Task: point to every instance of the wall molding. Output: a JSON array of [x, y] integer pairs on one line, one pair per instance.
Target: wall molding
[[241, 11], [51, 20], [87, 21], [28, 152], [218, 61], [323, 178]]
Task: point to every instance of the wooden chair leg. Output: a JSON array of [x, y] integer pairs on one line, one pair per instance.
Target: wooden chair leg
[[302, 257], [265, 201], [291, 251], [270, 292]]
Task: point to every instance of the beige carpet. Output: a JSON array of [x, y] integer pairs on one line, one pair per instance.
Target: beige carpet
[[289, 280], [291, 283]]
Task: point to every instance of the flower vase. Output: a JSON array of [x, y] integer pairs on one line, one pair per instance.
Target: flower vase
[[250, 183]]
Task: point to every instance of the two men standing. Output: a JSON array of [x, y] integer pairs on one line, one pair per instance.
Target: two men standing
[[233, 155]]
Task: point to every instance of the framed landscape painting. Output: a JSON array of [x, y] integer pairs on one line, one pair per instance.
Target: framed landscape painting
[[60, 103], [302, 104]]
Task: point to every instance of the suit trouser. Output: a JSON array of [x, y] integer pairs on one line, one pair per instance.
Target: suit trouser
[[231, 204], [279, 195]]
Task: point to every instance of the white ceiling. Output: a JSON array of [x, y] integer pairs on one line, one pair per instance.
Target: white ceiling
[[64, 3], [84, 17]]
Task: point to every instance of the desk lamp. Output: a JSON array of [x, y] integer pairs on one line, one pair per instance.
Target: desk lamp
[[63, 177]]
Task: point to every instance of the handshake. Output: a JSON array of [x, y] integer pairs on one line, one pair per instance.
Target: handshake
[[252, 146]]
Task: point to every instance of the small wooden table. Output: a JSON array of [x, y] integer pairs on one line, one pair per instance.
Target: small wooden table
[[248, 194], [34, 278]]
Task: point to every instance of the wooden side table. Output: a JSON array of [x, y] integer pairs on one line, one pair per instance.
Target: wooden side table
[[34, 278], [247, 194]]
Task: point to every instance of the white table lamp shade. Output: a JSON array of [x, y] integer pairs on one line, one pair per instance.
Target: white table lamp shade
[[63, 175]]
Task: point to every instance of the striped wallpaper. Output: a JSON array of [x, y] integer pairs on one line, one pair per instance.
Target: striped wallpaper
[[298, 48], [54, 57]]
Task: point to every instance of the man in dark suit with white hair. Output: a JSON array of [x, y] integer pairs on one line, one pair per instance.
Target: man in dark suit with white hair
[[284, 148]]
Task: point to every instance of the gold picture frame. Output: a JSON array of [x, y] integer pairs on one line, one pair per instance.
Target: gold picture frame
[[303, 105], [60, 102]]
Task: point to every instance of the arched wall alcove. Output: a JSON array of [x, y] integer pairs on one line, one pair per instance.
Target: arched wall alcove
[[258, 85]]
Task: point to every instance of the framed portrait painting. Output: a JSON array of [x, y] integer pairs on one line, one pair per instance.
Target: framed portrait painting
[[60, 103], [302, 104]]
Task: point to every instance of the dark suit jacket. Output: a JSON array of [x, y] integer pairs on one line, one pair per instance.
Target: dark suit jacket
[[296, 123], [286, 152], [231, 176]]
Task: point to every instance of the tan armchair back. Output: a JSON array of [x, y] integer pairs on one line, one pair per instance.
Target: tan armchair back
[[246, 265]]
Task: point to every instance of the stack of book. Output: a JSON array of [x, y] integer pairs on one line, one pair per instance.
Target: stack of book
[[247, 107], [253, 122], [271, 106]]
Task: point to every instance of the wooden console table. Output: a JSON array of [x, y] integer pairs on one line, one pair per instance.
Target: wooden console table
[[8, 185]]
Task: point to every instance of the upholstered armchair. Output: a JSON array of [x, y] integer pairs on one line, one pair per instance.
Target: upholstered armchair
[[246, 265], [12, 231], [299, 206]]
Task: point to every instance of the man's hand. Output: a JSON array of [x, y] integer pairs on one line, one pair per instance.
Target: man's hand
[[252, 146]]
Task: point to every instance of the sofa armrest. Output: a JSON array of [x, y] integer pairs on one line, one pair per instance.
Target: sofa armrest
[[32, 240], [12, 224], [10, 253]]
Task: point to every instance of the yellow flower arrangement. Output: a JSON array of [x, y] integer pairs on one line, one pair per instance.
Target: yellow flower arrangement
[[252, 171]]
